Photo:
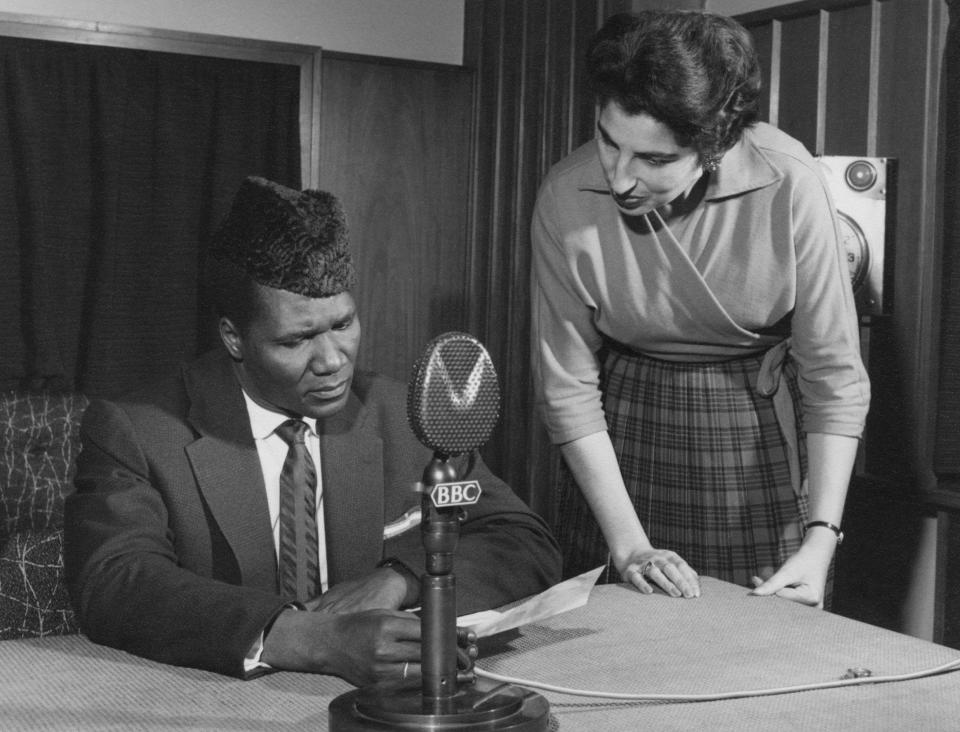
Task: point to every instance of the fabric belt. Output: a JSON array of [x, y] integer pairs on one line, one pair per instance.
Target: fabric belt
[[770, 385]]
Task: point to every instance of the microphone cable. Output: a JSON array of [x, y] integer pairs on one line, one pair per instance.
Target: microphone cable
[[854, 677]]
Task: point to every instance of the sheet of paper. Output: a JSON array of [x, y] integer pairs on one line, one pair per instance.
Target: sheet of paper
[[557, 599]]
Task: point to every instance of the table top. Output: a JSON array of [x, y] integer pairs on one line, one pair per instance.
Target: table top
[[621, 640]]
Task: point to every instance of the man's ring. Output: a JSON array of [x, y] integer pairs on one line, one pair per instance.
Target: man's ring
[[406, 667], [646, 568]]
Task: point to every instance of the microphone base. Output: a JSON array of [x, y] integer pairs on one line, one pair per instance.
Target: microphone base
[[475, 707]]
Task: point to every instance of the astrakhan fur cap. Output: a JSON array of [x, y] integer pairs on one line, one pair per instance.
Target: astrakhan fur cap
[[287, 239]]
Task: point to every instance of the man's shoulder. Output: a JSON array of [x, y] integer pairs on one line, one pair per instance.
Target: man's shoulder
[[165, 398]]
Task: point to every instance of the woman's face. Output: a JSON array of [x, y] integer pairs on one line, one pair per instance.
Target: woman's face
[[644, 166]]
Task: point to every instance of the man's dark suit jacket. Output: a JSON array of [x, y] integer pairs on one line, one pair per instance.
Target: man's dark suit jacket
[[169, 551]]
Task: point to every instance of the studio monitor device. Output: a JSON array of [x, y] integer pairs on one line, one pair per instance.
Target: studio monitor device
[[863, 191]]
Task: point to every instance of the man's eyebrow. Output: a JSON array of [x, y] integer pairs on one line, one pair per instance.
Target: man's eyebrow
[[289, 335]]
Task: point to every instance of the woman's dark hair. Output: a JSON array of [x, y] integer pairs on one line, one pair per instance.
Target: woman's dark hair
[[695, 72]]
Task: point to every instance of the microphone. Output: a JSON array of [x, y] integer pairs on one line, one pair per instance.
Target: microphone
[[453, 404], [453, 400]]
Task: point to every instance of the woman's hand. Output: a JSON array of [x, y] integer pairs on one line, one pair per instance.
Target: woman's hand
[[593, 463], [662, 568], [803, 577]]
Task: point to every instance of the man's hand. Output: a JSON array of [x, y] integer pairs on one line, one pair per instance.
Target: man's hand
[[382, 589], [361, 647]]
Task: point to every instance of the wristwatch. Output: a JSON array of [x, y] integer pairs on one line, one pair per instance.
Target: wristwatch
[[827, 525]]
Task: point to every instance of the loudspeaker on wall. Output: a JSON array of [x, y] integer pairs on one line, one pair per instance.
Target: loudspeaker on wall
[[863, 192]]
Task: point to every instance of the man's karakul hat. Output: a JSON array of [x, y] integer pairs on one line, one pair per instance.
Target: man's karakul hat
[[287, 239]]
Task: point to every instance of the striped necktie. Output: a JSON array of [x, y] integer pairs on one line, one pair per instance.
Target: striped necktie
[[299, 565]]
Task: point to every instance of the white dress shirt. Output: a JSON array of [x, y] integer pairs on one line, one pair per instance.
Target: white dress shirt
[[272, 451]]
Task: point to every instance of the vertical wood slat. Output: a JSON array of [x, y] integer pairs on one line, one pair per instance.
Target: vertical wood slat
[[776, 53], [310, 115], [873, 94], [823, 59]]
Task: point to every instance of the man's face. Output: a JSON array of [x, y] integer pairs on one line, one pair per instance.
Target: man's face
[[298, 354]]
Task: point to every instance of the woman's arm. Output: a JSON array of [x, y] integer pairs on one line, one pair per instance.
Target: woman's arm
[[594, 465], [803, 576], [833, 382]]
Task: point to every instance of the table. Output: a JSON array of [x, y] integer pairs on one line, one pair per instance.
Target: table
[[620, 640]]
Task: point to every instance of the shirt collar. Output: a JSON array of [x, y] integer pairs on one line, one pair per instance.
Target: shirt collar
[[264, 421], [744, 167]]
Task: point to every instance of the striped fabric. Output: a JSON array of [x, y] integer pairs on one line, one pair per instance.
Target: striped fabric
[[299, 563], [705, 464]]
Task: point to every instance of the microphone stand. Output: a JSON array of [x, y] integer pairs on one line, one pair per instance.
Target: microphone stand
[[440, 530], [443, 701]]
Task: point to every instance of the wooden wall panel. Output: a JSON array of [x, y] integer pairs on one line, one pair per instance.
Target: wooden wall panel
[[394, 146]]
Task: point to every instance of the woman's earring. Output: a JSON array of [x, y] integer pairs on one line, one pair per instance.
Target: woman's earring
[[711, 162]]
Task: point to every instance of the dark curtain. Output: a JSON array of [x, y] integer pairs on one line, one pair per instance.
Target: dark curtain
[[947, 448], [116, 166], [532, 108]]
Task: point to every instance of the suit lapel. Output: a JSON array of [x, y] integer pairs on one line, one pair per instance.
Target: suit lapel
[[225, 462], [352, 468]]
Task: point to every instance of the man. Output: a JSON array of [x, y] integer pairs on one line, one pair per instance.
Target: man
[[199, 536]]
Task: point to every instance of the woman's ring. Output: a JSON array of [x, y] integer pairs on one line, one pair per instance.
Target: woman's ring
[[406, 667], [646, 568]]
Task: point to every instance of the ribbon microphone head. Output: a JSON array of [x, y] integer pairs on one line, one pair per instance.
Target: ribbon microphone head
[[453, 399]]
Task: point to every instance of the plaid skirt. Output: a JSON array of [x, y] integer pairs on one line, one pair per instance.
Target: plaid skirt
[[705, 462]]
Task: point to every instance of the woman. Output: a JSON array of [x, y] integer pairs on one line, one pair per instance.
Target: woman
[[695, 342]]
